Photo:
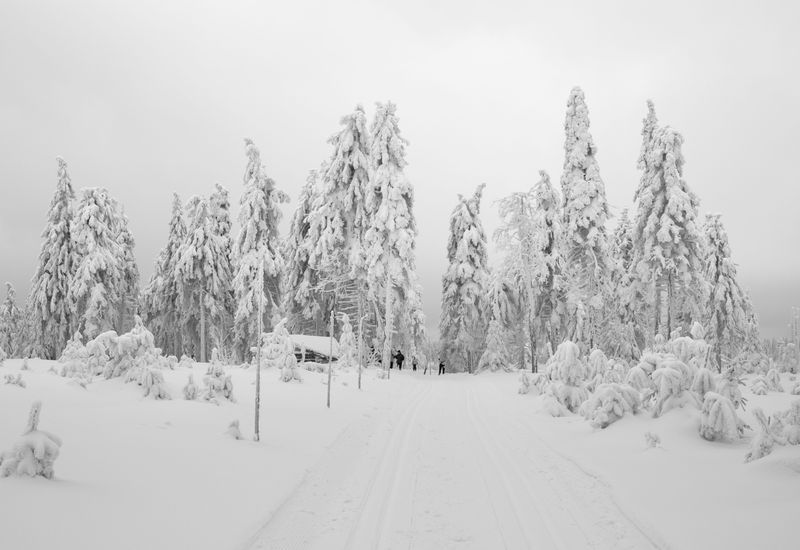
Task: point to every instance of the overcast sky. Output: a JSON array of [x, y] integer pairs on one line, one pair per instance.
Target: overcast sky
[[150, 97]]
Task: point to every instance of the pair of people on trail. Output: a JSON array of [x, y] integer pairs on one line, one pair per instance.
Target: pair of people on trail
[[398, 358]]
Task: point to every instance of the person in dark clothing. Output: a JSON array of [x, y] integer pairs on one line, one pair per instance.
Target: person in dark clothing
[[400, 358], [414, 364], [441, 366]]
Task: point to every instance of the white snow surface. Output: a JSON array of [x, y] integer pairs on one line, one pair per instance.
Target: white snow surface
[[425, 462]]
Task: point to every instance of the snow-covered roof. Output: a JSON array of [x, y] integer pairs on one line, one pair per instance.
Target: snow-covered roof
[[317, 344]]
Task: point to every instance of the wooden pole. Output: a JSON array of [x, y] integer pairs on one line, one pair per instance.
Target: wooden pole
[[360, 348], [260, 284], [330, 361]]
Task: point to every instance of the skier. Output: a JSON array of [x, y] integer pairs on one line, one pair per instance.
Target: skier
[[414, 364], [400, 358], [441, 366]]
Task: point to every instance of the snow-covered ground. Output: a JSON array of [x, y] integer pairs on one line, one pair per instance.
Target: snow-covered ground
[[417, 461]]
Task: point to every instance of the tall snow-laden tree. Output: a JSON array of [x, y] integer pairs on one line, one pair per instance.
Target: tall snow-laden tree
[[667, 240], [201, 270], [11, 323], [730, 314], [463, 322], [51, 318], [256, 243], [390, 237], [96, 285], [584, 218], [160, 296], [220, 210], [302, 300], [128, 305], [528, 235], [338, 218]]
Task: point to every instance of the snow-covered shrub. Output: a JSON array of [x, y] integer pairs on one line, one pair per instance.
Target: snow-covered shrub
[[791, 419], [687, 371], [649, 362], [75, 360], [597, 364], [770, 432], [34, 453], [153, 384], [610, 403], [652, 439], [190, 389], [796, 389], [568, 373], [25, 365], [728, 386], [774, 380], [135, 348], [186, 362], [99, 352], [217, 384], [704, 382], [718, 419], [15, 380], [170, 362], [531, 380], [279, 352], [348, 348], [638, 378], [669, 391], [233, 430], [687, 349], [759, 386]]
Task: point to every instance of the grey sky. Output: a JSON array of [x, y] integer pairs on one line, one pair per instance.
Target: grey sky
[[149, 97]]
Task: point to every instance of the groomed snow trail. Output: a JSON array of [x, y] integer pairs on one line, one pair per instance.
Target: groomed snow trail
[[448, 464]]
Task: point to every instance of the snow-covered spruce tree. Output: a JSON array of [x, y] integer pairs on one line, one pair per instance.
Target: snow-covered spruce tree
[[129, 289], [279, 353], [391, 234], [719, 421], [220, 211], [52, 319], [495, 356], [623, 316], [11, 323], [348, 347], [667, 240], [34, 453], [528, 236], [584, 218], [338, 219], [201, 273], [302, 302], [160, 296], [569, 374], [463, 322], [729, 308], [96, 286], [256, 243]]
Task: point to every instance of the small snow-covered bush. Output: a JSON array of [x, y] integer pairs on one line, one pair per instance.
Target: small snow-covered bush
[[190, 389], [348, 348], [15, 380], [279, 352], [233, 430], [704, 382], [75, 359], [652, 439], [728, 386], [649, 362], [217, 384], [669, 392], [796, 389], [638, 378], [597, 364], [186, 362], [791, 419], [34, 453], [770, 432], [25, 365], [759, 386], [568, 373], [529, 381], [718, 419], [610, 403], [153, 384], [774, 380]]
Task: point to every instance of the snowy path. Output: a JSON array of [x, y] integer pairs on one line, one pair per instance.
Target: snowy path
[[451, 464]]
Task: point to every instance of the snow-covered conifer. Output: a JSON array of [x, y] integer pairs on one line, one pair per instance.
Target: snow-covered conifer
[[220, 211], [495, 356], [719, 421], [96, 286], [666, 237], [128, 305], [34, 453], [569, 373], [201, 274], [51, 317], [585, 214], [728, 308], [11, 323], [391, 233], [463, 322], [609, 403], [190, 389], [348, 347], [279, 353], [256, 244], [160, 296]]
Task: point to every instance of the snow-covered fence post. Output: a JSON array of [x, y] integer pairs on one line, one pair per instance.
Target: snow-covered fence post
[[330, 361]]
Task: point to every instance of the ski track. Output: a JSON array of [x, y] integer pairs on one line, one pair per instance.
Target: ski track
[[445, 467]]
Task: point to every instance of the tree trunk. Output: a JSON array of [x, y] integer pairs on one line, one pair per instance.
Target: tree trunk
[[669, 306], [657, 303], [387, 339], [202, 331]]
